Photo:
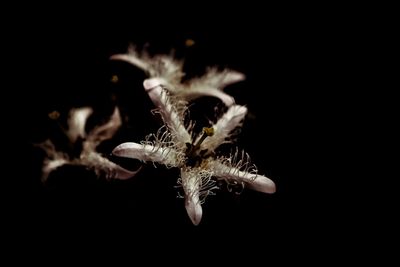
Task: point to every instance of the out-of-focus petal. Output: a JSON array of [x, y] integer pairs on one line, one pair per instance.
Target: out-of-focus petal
[[159, 66], [105, 131], [229, 77], [77, 122], [50, 165], [103, 166], [133, 59], [211, 84], [170, 71], [54, 160], [215, 79], [199, 92], [117, 172]]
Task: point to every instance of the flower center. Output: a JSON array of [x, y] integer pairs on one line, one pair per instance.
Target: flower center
[[194, 156]]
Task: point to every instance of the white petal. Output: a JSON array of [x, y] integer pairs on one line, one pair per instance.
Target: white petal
[[230, 77], [171, 117], [224, 127], [194, 210], [162, 155], [191, 186], [51, 165], [132, 59], [193, 94], [54, 158], [153, 82], [211, 84], [216, 79], [117, 172], [102, 165], [260, 183], [77, 122], [162, 66]]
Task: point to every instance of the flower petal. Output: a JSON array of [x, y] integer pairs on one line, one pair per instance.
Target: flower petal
[[105, 131], [77, 122], [132, 59], [171, 117], [262, 184], [170, 71], [102, 165], [225, 125], [117, 172], [199, 92], [253, 181], [216, 79], [50, 165], [163, 155], [194, 210], [191, 186], [211, 84], [161, 66], [53, 160]]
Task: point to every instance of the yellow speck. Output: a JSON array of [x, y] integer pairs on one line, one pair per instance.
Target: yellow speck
[[54, 115], [189, 42], [114, 79], [209, 131]]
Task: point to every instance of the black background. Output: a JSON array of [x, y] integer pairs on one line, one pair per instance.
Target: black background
[[300, 67]]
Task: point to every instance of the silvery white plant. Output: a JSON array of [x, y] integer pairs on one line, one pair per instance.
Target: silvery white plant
[[176, 145]]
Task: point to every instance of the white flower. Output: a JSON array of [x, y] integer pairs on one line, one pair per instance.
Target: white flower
[[88, 157], [174, 146], [169, 73]]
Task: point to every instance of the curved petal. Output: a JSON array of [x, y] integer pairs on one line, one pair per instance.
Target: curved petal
[[117, 172], [211, 84], [253, 181], [132, 59], [102, 165], [225, 125], [163, 66], [262, 184], [193, 94]]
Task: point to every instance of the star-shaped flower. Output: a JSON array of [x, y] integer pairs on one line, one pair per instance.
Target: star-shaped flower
[[88, 157], [176, 146], [169, 73]]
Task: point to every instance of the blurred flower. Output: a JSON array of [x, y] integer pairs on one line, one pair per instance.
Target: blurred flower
[[88, 157], [169, 73], [177, 146]]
